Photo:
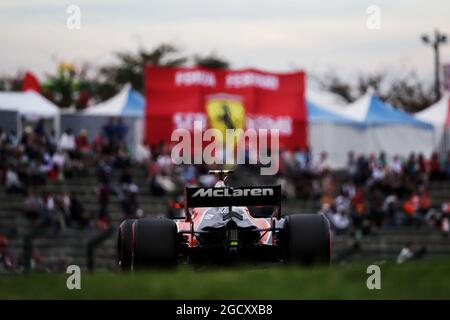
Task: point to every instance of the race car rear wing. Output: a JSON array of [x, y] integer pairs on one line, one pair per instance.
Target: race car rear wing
[[228, 196]]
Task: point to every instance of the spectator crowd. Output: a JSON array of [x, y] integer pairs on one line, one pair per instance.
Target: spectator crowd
[[372, 192]]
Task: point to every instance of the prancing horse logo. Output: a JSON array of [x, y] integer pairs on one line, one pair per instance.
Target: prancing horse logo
[[225, 112]]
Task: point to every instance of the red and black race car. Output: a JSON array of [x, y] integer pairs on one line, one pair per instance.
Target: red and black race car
[[219, 228]]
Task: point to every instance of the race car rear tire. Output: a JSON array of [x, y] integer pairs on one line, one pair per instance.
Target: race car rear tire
[[124, 244], [155, 243], [307, 239]]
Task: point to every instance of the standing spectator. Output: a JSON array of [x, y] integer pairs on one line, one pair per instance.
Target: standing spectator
[[109, 130], [422, 163], [362, 170], [64, 203], [446, 167], [103, 195], [39, 128], [435, 167], [411, 166], [121, 130], [351, 165]]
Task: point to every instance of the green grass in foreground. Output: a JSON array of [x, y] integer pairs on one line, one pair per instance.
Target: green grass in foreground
[[415, 280]]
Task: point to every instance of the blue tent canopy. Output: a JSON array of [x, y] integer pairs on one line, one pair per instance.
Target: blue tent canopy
[[380, 113], [127, 103], [318, 114], [135, 104]]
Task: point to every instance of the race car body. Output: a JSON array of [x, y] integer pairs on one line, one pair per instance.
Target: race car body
[[205, 219], [218, 227]]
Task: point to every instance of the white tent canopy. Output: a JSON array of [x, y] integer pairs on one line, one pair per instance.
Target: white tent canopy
[[29, 103], [438, 115], [366, 126]]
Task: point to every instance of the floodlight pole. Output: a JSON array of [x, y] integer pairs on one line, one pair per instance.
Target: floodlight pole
[[438, 39]]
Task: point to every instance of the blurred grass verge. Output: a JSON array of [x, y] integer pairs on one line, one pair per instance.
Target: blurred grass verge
[[428, 279]]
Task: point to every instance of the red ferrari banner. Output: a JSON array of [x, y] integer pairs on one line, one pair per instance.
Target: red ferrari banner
[[221, 99]]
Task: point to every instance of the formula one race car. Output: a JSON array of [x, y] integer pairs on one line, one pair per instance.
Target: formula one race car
[[219, 228]]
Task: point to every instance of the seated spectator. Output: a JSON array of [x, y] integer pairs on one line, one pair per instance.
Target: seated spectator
[[396, 165], [378, 173], [77, 212], [339, 222], [405, 254], [125, 179], [97, 144], [33, 206], [301, 159], [424, 201], [12, 182], [37, 171], [58, 164], [410, 252], [129, 202], [164, 182], [67, 141], [51, 216], [6, 258], [321, 165], [82, 142], [164, 161], [411, 210], [104, 169], [142, 153], [445, 223], [342, 203], [188, 175], [122, 159], [391, 208]]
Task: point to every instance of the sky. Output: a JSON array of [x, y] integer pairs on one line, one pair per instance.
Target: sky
[[276, 35]]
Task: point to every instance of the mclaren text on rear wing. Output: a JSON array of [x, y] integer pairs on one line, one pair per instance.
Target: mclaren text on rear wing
[[225, 197]]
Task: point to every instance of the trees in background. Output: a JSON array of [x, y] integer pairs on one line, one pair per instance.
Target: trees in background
[[211, 61], [129, 68], [406, 91], [71, 85]]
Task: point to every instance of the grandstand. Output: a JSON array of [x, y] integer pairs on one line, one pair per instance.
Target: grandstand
[[53, 250]]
